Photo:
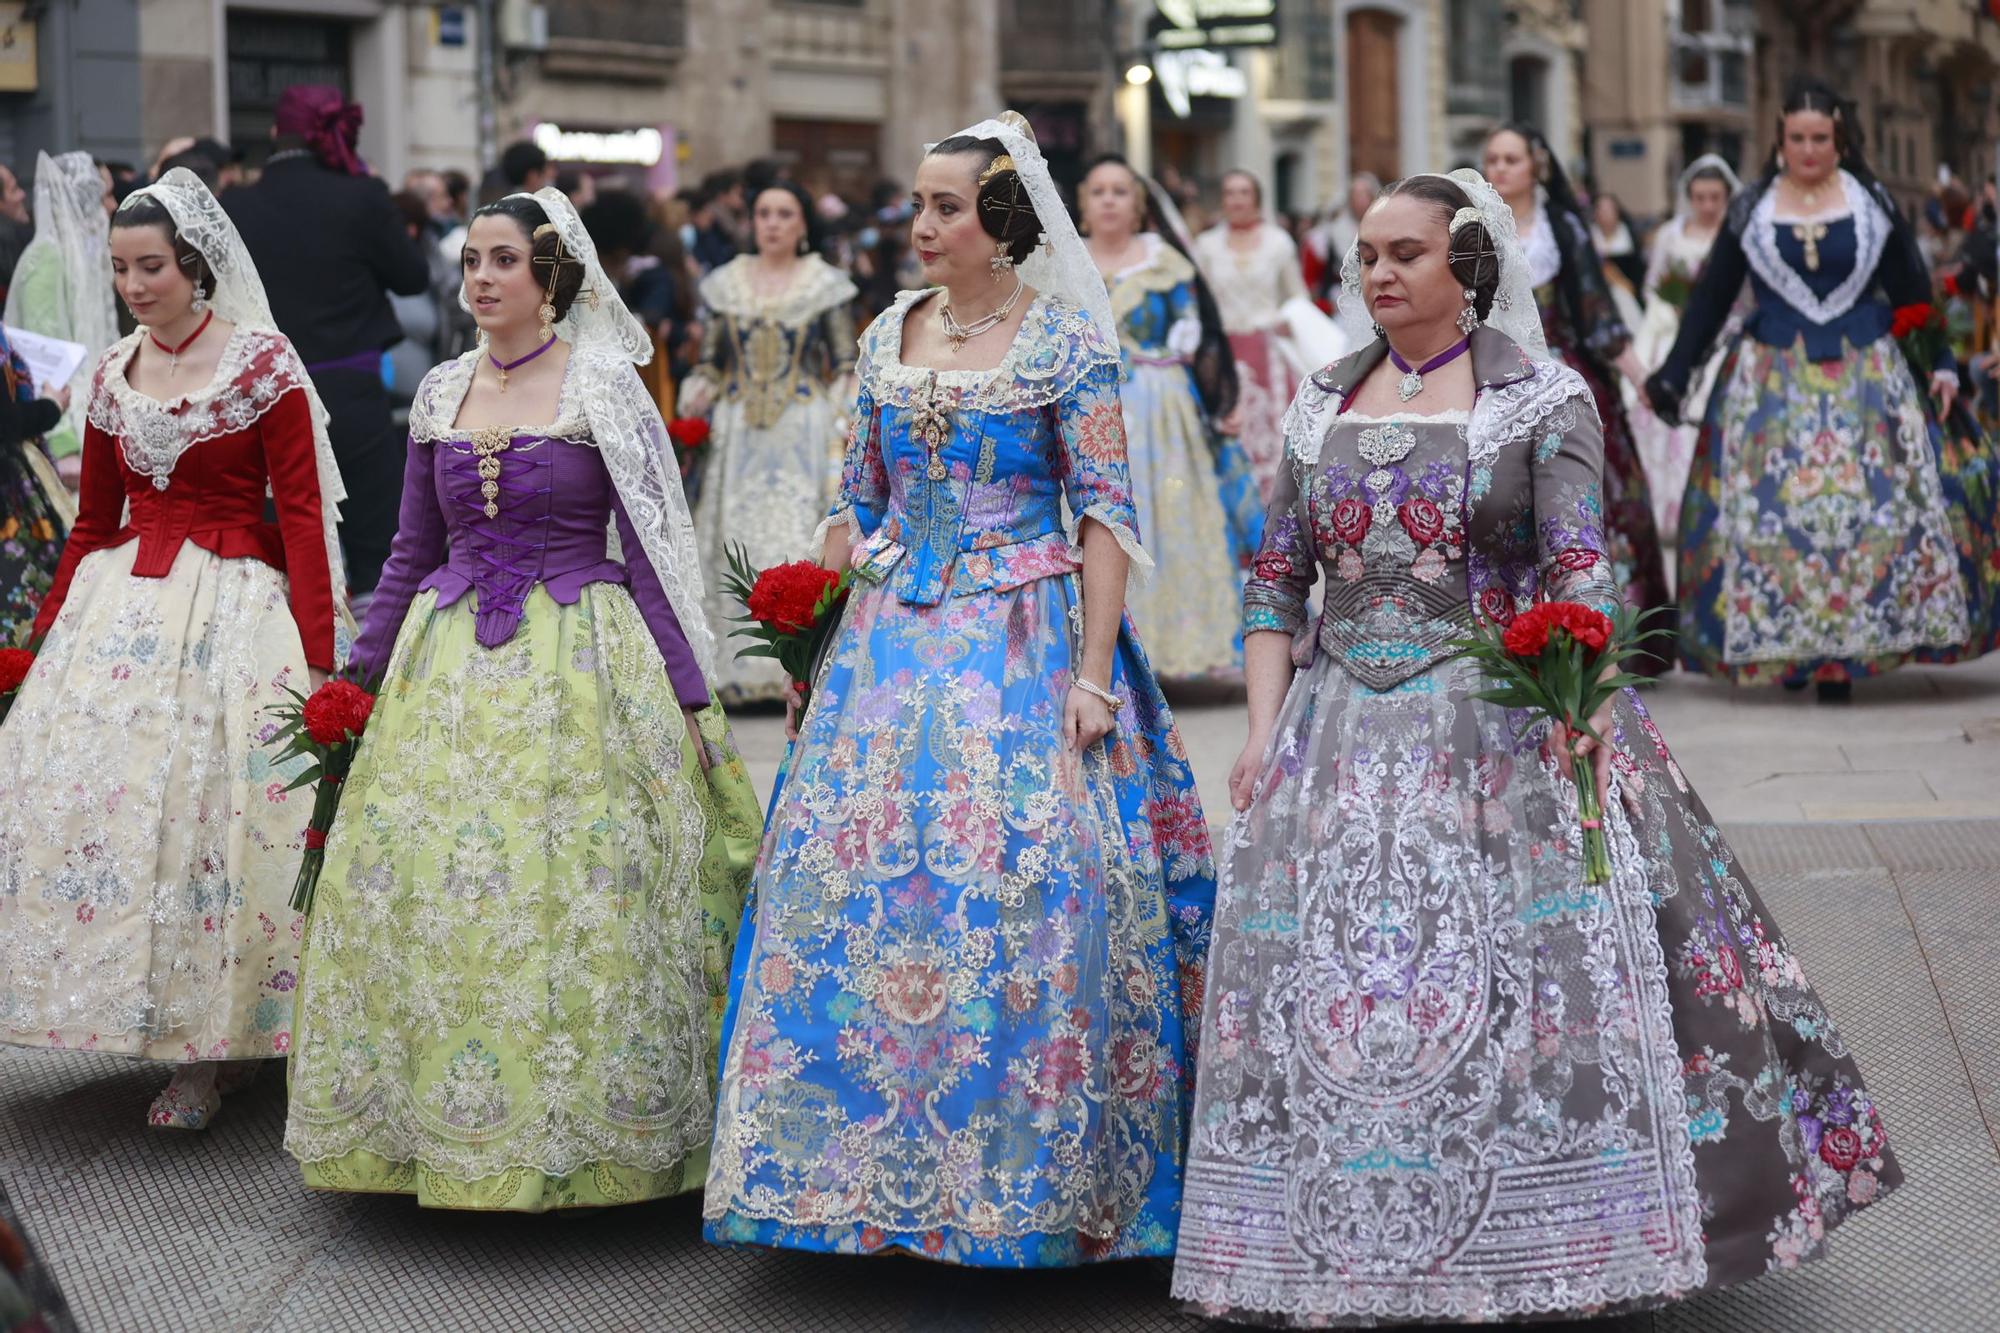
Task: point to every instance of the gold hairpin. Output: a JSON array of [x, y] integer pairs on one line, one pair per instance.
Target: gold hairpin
[[1004, 162]]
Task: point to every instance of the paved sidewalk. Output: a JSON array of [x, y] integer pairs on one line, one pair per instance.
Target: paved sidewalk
[[1895, 918]]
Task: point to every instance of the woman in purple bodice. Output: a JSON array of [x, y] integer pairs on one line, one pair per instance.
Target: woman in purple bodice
[[516, 959]]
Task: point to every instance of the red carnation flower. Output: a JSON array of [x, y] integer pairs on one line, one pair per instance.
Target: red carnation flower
[[1422, 519], [1910, 318], [785, 597], [1351, 518], [1840, 1148], [1951, 284], [14, 665], [688, 432], [335, 710], [1529, 633]]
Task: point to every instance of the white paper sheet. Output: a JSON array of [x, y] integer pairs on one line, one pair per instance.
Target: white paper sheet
[[50, 360]]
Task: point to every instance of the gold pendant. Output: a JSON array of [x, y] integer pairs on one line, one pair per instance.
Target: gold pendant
[[503, 381]]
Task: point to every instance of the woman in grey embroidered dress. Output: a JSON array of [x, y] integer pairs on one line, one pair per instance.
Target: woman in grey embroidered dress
[[1442, 1078], [778, 338]]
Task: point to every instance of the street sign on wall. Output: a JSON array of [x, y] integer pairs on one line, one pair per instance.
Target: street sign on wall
[[1180, 25]]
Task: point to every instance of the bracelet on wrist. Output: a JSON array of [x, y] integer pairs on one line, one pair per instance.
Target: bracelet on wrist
[[1111, 701]]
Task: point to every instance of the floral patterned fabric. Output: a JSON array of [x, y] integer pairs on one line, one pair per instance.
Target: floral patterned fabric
[[532, 825], [147, 845], [1442, 1078], [1830, 528], [964, 984], [773, 454], [31, 542], [1189, 610]]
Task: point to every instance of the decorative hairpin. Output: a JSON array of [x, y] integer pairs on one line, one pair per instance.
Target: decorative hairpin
[[1004, 162]]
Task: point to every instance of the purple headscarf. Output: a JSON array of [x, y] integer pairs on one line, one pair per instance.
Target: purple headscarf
[[327, 121]]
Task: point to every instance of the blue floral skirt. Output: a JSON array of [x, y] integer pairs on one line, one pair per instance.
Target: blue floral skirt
[[1831, 529], [964, 995]]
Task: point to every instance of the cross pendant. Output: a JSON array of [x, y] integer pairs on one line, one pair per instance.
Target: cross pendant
[[1810, 234], [503, 381]]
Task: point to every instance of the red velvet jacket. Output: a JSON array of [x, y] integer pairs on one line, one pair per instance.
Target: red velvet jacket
[[214, 496]]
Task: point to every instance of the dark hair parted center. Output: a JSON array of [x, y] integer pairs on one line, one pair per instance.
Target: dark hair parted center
[[146, 211], [544, 251], [1002, 204], [1471, 254]]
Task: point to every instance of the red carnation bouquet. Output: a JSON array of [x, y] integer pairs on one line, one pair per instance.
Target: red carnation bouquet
[[1921, 329], [14, 666], [688, 435], [790, 611], [1562, 660], [324, 728]]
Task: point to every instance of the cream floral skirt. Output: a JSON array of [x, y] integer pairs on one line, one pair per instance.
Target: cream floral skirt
[[147, 846]]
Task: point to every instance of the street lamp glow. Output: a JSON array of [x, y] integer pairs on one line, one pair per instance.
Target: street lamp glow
[[1139, 75]]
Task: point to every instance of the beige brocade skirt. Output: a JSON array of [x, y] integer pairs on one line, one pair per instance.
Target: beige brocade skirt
[[147, 846]]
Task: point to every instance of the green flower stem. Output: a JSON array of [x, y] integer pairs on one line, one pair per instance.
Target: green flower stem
[[1590, 816]]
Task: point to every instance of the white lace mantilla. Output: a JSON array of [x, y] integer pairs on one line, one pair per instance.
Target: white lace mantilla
[[1056, 345], [1872, 229], [1524, 409], [815, 288]]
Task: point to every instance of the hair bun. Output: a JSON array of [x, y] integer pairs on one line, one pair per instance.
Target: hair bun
[[1018, 123]]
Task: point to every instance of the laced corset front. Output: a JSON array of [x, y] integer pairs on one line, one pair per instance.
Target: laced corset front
[[521, 509], [499, 511]]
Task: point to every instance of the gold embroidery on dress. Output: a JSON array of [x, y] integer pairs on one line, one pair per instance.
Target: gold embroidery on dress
[[769, 384], [930, 424], [488, 443]]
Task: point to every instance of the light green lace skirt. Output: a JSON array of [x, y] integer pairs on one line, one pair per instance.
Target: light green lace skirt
[[514, 971]]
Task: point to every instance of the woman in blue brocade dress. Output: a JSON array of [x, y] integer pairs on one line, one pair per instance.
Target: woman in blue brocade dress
[[1196, 497], [1830, 529], [980, 913]]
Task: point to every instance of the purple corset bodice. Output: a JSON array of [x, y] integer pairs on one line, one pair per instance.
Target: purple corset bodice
[[552, 504]]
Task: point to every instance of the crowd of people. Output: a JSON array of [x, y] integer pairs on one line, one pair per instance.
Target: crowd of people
[[974, 983]]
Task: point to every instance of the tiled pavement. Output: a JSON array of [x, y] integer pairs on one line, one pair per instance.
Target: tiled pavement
[[1898, 921]]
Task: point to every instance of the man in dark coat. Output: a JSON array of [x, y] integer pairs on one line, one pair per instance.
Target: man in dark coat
[[329, 246]]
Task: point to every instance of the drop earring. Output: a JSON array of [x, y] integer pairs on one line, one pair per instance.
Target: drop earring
[[1468, 318], [1002, 263], [200, 306], [1376, 325]]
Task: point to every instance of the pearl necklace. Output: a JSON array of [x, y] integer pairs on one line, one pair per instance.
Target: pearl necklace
[[959, 334]]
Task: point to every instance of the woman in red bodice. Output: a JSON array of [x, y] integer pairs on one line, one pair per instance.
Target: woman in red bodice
[[147, 846]]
